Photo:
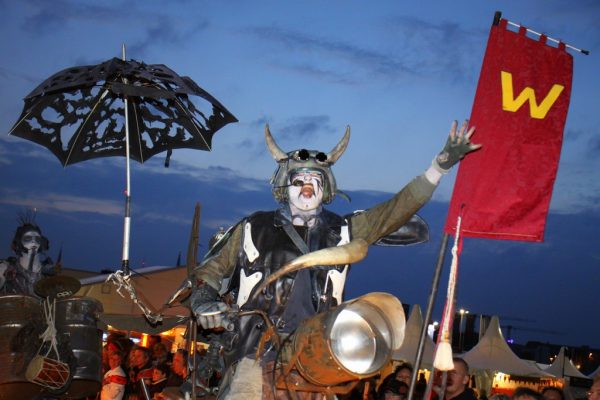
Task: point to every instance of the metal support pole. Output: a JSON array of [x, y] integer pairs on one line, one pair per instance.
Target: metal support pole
[[194, 329], [127, 221], [432, 295]]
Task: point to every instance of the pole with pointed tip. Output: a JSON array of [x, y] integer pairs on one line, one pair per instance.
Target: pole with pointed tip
[[192, 251], [127, 221]]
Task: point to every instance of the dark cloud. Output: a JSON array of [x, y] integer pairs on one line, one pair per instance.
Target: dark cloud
[[423, 49], [443, 49], [574, 134], [368, 60], [165, 29], [166, 32], [8, 74], [593, 147], [332, 76], [304, 127], [49, 16]]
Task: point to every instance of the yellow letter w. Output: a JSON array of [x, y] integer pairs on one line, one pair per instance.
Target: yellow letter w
[[509, 103]]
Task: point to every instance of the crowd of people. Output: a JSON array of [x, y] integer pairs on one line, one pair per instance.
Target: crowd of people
[[129, 367], [397, 384]]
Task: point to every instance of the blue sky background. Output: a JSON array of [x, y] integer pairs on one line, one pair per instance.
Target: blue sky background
[[397, 72]]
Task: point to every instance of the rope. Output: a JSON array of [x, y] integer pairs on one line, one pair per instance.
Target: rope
[[49, 335]]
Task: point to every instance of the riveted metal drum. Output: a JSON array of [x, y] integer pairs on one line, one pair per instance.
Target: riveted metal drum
[[76, 318], [21, 322]]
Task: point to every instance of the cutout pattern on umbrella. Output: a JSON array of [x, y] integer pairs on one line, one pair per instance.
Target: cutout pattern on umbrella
[[79, 113]]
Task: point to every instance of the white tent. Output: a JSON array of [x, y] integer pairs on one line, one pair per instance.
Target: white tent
[[492, 353], [408, 350], [153, 285], [563, 366]]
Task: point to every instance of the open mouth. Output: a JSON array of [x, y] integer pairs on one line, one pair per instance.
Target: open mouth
[[307, 191]]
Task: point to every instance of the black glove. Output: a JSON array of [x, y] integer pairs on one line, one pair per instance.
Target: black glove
[[11, 273], [457, 146], [208, 309]]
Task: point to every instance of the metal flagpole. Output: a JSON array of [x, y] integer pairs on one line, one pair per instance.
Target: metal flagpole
[[432, 295], [498, 16], [127, 221]]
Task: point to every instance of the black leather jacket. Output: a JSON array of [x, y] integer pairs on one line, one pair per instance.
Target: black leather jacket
[[295, 297]]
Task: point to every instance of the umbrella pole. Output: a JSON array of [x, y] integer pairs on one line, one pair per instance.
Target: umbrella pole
[[127, 221], [432, 295]]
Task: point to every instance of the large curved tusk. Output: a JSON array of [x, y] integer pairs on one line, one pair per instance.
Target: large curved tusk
[[339, 148], [349, 253], [276, 152]]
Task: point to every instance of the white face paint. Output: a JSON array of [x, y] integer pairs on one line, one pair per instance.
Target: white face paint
[[31, 240], [306, 190]]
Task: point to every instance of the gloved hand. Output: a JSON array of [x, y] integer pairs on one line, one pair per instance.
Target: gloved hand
[[11, 273], [457, 146], [209, 311], [213, 315]]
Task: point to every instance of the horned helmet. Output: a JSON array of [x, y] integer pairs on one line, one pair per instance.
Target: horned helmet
[[302, 159]]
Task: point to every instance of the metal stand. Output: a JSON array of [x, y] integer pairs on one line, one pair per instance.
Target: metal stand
[[432, 295]]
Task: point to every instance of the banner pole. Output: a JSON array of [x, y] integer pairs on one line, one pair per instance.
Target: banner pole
[[498, 16], [432, 295]]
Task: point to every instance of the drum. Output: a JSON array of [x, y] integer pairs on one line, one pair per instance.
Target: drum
[[76, 319], [21, 322], [47, 372]]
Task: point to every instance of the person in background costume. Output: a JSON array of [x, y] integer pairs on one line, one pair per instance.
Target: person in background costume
[[19, 274], [265, 241]]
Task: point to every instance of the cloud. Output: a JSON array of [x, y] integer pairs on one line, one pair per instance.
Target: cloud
[[367, 60], [576, 190], [49, 16], [162, 217], [218, 175], [53, 202], [166, 28], [9, 74], [438, 49], [593, 147], [166, 31], [320, 73], [426, 50], [574, 134], [305, 127], [301, 126]]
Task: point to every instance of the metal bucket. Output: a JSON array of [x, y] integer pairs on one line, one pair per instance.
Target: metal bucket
[[76, 319], [21, 322]]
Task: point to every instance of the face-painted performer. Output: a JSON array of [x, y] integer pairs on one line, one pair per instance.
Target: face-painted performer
[[263, 242], [18, 274]]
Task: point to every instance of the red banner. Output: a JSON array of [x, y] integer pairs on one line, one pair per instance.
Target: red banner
[[519, 113]]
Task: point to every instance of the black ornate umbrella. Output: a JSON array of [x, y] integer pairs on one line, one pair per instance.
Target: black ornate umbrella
[[119, 108]]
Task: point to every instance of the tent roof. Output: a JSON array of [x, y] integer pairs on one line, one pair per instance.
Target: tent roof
[[493, 353], [408, 350], [563, 366], [595, 374], [153, 285]]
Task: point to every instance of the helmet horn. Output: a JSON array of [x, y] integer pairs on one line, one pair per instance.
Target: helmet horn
[[339, 148], [276, 152], [349, 253]]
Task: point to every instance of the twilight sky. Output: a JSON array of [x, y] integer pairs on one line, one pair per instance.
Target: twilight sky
[[397, 72]]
